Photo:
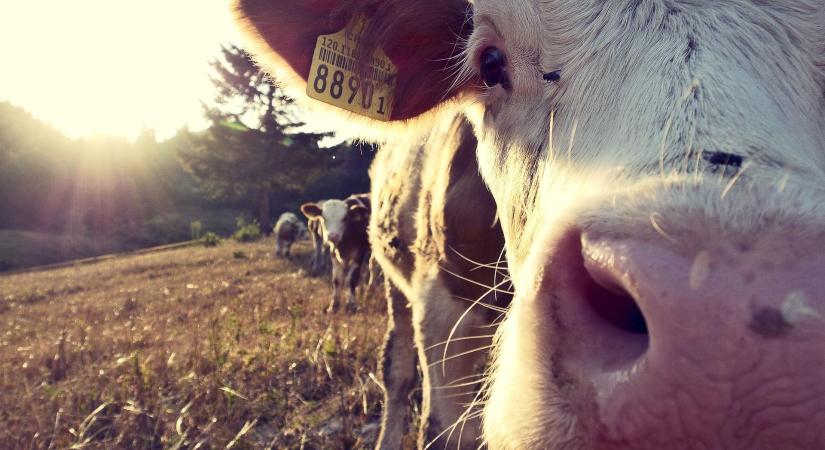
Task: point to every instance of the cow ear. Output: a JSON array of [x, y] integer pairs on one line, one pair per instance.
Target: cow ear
[[311, 210], [358, 212], [359, 199], [421, 37]]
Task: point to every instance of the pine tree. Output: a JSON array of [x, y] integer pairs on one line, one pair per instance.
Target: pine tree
[[254, 144]]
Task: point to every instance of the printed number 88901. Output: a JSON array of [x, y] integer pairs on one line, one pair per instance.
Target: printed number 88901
[[336, 87]]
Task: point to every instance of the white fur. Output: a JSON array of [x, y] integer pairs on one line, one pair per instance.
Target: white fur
[[615, 148], [334, 216], [629, 117]]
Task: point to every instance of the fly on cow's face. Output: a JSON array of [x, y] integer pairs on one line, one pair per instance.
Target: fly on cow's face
[[494, 68], [718, 158], [552, 76]]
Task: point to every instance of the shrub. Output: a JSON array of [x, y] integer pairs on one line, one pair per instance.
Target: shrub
[[210, 239], [164, 228], [247, 232]]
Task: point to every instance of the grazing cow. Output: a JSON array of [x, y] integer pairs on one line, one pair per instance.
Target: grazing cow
[[657, 168], [343, 226], [287, 231]]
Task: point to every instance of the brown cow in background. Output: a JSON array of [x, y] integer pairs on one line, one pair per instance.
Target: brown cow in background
[[343, 226]]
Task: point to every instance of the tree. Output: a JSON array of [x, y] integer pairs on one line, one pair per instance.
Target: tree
[[254, 144]]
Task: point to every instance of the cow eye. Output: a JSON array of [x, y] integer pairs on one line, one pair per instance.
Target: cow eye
[[494, 68]]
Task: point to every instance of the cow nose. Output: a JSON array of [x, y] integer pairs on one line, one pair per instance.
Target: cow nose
[[654, 328]]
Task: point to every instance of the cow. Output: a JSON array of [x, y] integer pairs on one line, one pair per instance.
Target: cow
[[343, 226], [656, 168], [288, 229], [435, 234], [320, 258]]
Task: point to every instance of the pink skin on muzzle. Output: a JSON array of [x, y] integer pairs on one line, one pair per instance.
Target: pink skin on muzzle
[[716, 348]]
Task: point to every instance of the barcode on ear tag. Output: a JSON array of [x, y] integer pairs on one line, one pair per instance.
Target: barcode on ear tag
[[334, 77]]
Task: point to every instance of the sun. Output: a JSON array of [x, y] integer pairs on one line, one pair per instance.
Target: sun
[[102, 67]]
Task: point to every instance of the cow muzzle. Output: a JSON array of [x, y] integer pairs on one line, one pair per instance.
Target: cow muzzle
[[657, 346]]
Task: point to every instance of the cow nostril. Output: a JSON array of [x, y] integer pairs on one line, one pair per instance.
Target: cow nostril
[[607, 328], [614, 304]]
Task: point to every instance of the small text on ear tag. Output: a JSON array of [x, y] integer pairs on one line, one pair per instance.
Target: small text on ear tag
[[334, 76]]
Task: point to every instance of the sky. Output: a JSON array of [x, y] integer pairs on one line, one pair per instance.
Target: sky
[[112, 67]]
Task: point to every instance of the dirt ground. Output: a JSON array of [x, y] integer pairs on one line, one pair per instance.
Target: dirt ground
[[223, 347]]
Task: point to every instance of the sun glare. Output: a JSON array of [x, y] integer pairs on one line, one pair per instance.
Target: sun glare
[[105, 67]]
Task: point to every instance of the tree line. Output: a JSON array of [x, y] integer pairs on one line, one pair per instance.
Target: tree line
[[255, 158], [257, 144]]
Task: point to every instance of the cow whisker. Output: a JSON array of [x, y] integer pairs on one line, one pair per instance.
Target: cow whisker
[[459, 44], [733, 180], [461, 354], [493, 265], [471, 412], [449, 430], [486, 305], [460, 385], [572, 140], [456, 69], [494, 324], [551, 150], [505, 276], [465, 338], [495, 288], [460, 72], [458, 394], [467, 377], [467, 415], [455, 383], [661, 231], [464, 314], [464, 422]]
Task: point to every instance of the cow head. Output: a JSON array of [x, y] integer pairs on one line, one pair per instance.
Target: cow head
[[658, 167], [335, 216]]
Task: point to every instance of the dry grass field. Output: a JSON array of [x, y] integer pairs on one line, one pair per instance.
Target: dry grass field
[[222, 347]]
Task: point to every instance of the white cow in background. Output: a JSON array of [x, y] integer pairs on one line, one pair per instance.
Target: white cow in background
[[287, 231]]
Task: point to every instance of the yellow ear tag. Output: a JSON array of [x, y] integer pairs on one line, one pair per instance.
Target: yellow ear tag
[[334, 77]]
